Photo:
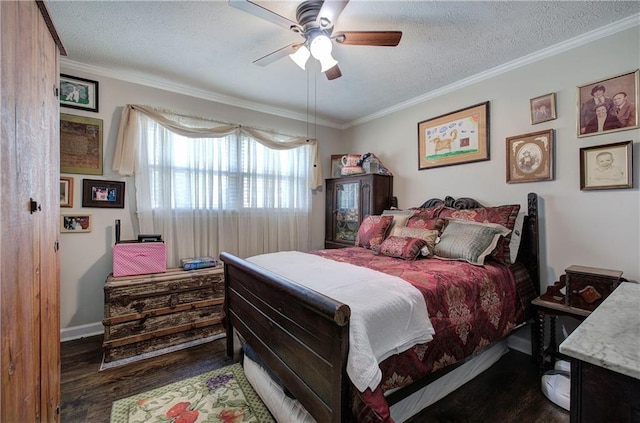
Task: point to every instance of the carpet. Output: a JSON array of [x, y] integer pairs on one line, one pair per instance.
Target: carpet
[[223, 395]]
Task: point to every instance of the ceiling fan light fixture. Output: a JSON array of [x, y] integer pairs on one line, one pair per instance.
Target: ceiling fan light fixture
[[321, 46], [327, 63], [301, 56]]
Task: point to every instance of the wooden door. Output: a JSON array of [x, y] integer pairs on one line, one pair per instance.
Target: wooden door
[[29, 207]]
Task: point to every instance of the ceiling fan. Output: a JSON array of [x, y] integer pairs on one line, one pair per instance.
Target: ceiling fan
[[315, 23]]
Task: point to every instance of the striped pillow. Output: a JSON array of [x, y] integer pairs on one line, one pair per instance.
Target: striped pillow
[[469, 241]]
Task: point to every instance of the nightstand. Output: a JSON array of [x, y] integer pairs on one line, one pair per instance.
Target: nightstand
[[586, 288], [543, 309]]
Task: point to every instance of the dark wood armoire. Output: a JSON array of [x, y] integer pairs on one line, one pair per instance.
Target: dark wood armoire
[[30, 213]]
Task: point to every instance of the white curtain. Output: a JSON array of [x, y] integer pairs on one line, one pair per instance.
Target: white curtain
[[208, 187]]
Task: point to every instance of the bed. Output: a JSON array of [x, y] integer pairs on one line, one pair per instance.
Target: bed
[[302, 337]]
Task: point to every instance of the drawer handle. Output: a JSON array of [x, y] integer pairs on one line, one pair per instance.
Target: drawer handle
[[174, 286], [173, 300], [140, 325]]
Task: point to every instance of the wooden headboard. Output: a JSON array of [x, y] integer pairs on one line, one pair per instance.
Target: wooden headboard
[[528, 253]]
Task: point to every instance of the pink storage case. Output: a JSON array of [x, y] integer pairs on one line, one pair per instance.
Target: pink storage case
[[139, 258]]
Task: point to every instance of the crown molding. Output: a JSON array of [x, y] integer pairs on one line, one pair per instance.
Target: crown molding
[[192, 92], [605, 31]]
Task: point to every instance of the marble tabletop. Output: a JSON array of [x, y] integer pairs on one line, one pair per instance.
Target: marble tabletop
[[610, 336]]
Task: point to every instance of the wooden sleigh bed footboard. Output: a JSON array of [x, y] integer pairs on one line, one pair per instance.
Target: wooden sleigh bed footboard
[[303, 336]]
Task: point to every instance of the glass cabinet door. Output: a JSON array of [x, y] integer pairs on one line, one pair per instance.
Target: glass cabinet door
[[347, 219]]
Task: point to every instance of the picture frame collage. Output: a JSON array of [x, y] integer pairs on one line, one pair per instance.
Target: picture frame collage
[[604, 106], [81, 152]]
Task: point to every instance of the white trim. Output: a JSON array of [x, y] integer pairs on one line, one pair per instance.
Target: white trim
[[615, 27], [572, 43], [518, 343], [82, 331]]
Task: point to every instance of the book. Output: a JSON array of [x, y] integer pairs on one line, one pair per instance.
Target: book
[[198, 262]]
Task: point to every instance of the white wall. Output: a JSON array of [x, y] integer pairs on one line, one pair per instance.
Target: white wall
[[594, 228], [591, 228], [86, 258]]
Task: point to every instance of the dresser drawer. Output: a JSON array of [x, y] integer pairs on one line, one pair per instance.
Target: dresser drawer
[[130, 295]]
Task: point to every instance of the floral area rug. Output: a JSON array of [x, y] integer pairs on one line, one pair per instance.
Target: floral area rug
[[220, 396]]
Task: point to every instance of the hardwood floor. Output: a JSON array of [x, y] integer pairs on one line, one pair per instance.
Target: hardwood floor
[[507, 392]]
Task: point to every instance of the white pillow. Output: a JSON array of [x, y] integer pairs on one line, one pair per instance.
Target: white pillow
[[516, 236], [468, 241]]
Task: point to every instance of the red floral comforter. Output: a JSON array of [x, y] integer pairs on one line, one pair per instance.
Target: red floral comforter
[[469, 307]]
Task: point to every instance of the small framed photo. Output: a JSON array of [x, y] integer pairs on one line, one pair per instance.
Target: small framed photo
[[78, 93], [608, 166], [102, 194], [530, 157], [75, 223], [609, 105], [66, 191], [454, 138], [336, 165], [543, 108]]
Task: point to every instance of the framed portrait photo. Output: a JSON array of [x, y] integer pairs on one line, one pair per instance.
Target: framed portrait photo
[[78, 93], [530, 157], [608, 105], [608, 166], [75, 223], [455, 138], [66, 191], [102, 194], [80, 145], [543, 108]]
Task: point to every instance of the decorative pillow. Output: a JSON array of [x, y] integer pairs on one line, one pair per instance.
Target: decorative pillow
[[501, 215], [469, 241], [430, 236], [419, 220], [401, 247], [373, 230], [400, 217], [427, 212]]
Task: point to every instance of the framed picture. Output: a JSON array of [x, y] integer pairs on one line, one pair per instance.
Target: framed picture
[[607, 166], [80, 145], [75, 223], [66, 191], [455, 138], [336, 165], [78, 93], [102, 194], [543, 108], [530, 157], [608, 105]]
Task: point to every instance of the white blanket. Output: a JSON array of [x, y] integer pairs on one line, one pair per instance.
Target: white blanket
[[388, 315]]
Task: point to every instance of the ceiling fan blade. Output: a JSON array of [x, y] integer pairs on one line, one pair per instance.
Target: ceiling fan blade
[[333, 73], [277, 55], [369, 38], [261, 12], [330, 11]]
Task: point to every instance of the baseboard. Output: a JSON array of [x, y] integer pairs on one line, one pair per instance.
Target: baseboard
[[82, 331], [520, 343]]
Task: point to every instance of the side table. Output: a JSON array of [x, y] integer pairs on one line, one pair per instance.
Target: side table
[[542, 309]]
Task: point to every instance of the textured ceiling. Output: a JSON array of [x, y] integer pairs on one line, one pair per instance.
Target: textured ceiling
[[209, 46]]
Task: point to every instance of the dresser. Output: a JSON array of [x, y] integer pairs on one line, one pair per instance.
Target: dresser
[[149, 313], [605, 360], [349, 199]]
